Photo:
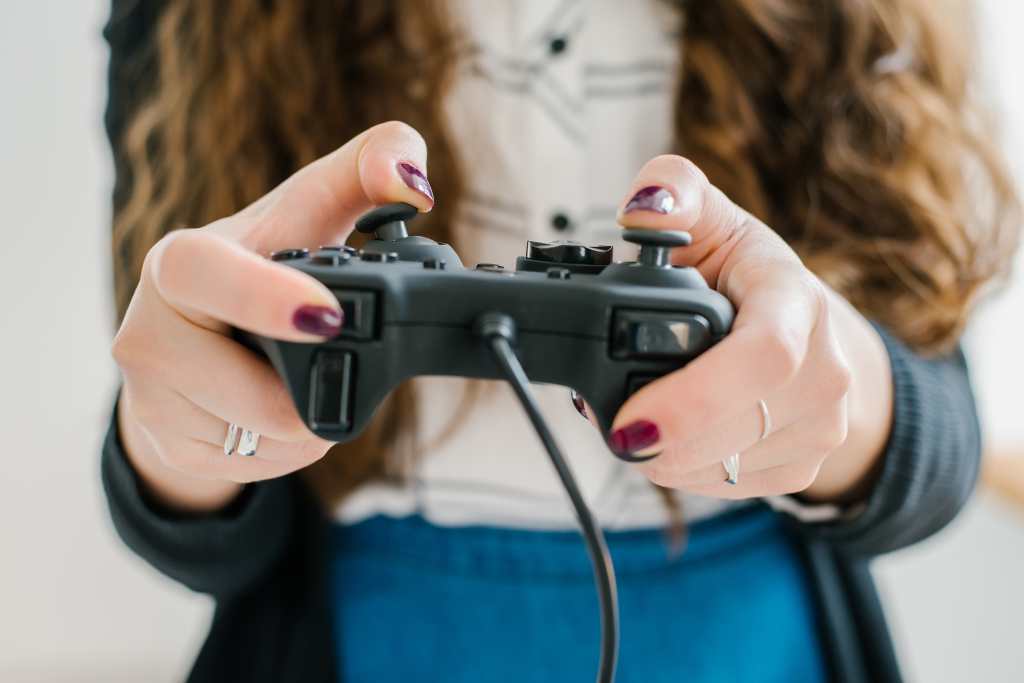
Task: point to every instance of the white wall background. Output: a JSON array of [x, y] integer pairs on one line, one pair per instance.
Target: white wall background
[[76, 606]]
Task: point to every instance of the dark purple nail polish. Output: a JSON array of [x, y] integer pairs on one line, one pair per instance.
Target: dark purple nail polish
[[414, 178], [634, 437], [651, 198], [319, 320], [577, 402]]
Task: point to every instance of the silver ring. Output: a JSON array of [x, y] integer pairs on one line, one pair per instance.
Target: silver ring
[[732, 469], [231, 440], [249, 442], [766, 420], [245, 441]]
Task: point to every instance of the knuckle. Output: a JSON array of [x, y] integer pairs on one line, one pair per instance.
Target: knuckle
[[124, 350], [313, 450], [834, 434], [660, 476], [175, 457], [285, 417], [397, 129], [145, 412], [801, 478], [784, 350], [164, 261], [133, 351], [837, 379], [683, 165]]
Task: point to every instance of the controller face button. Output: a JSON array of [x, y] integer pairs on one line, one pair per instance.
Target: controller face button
[[391, 257], [330, 257], [359, 309], [339, 247], [558, 273], [288, 254], [331, 389], [435, 264], [659, 334]]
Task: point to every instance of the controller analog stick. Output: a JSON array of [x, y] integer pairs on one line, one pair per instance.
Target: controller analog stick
[[656, 245], [387, 222]]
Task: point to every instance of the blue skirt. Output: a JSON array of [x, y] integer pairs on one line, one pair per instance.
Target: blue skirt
[[418, 602]]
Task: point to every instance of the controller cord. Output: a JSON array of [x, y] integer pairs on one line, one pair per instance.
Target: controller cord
[[499, 331]]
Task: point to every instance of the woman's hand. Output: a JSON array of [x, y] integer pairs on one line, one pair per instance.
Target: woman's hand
[[820, 368], [185, 379]]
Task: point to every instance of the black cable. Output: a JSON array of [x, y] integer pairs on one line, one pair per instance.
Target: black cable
[[499, 330]]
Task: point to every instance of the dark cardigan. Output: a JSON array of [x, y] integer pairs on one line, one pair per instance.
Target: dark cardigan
[[263, 562]]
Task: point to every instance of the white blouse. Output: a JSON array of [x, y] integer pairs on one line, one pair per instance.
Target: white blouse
[[556, 110]]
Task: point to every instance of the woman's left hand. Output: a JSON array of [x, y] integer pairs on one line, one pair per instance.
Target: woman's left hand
[[820, 368]]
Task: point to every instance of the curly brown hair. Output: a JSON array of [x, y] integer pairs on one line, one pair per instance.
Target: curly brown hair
[[847, 126]]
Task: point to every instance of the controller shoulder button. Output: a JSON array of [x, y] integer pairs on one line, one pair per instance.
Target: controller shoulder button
[[659, 334]]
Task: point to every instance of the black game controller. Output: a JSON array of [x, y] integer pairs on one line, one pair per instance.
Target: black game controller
[[411, 308]]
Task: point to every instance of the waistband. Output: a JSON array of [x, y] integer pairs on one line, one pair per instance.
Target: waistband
[[484, 550]]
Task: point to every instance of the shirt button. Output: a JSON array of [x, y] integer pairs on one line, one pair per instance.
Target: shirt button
[[560, 222], [558, 45]]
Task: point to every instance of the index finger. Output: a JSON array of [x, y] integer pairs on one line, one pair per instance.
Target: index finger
[[762, 353]]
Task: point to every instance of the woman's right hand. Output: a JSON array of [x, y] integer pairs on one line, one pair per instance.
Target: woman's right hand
[[185, 379]]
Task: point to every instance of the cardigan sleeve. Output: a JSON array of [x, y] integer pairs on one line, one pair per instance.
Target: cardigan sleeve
[[931, 460], [223, 554]]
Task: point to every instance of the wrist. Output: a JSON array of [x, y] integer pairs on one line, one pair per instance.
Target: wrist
[[167, 487], [848, 474]]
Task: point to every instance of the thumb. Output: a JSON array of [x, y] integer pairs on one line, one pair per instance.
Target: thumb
[[319, 204], [671, 193]]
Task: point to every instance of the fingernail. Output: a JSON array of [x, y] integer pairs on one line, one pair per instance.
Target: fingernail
[[651, 198], [414, 178], [319, 320], [577, 402], [634, 437]]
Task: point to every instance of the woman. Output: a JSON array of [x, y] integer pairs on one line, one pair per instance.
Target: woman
[[837, 192]]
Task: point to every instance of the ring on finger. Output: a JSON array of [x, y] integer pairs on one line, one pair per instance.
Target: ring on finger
[[245, 441], [732, 463]]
